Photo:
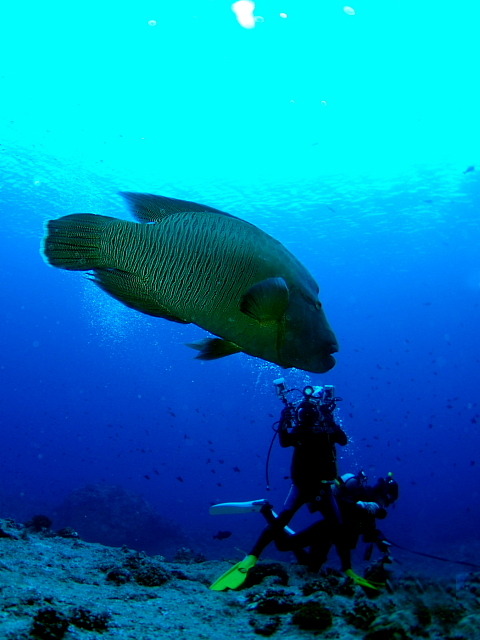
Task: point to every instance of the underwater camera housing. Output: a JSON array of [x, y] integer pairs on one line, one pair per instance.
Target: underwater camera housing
[[280, 387], [322, 395], [329, 393]]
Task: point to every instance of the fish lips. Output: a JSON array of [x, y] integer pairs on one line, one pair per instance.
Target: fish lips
[[323, 361], [317, 362], [326, 363]]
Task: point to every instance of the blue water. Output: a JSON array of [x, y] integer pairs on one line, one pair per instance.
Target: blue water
[[346, 137]]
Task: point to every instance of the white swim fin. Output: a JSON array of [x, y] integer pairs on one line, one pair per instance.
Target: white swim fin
[[254, 506]]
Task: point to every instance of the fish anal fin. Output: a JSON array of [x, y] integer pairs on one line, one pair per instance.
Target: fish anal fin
[[132, 291], [146, 207], [266, 301], [214, 348]]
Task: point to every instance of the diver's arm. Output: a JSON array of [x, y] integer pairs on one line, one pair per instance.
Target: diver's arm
[[286, 437], [338, 434]]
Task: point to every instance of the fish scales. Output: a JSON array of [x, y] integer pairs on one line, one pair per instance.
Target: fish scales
[[167, 256]]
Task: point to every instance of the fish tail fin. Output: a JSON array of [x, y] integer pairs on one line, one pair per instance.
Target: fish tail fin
[[74, 242]]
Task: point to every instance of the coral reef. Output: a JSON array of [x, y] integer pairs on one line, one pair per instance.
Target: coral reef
[[55, 588]]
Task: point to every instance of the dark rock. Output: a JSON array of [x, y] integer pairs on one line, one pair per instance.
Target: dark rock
[[362, 615], [49, 624], [146, 571], [327, 583], [399, 625], [265, 627], [273, 601], [67, 532], [185, 555], [10, 529], [86, 619], [259, 572], [119, 575], [39, 523], [448, 613], [423, 615], [313, 616]]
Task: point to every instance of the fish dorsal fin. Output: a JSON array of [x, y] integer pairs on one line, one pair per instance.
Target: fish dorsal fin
[[266, 301], [146, 207]]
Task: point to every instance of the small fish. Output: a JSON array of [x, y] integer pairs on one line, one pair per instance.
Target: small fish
[[469, 169], [222, 535], [189, 263], [180, 479]]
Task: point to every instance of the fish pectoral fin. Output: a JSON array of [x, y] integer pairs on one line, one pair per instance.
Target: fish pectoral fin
[[146, 207], [132, 291], [266, 301], [213, 348]]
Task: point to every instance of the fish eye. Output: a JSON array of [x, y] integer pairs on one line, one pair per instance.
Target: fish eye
[[318, 304]]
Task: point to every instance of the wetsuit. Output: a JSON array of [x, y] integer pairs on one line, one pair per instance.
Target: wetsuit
[[358, 517], [313, 433]]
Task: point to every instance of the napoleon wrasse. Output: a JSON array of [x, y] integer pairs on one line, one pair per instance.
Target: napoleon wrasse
[[187, 262]]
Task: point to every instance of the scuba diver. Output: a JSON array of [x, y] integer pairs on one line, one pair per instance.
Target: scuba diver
[[360, 506], [359, 503], [309, 427]]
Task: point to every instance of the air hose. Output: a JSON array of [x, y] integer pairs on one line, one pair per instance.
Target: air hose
[[432, 557]]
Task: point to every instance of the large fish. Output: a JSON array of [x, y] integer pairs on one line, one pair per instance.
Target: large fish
[[187, 262]]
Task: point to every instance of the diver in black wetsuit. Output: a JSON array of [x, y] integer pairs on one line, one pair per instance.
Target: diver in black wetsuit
[[312, 431], [360, 505]]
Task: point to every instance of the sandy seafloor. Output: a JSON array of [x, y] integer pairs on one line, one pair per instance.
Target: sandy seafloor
[[53, 586]]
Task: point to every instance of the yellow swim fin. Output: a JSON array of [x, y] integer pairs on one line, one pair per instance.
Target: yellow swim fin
[[235, 576], [363, 582]]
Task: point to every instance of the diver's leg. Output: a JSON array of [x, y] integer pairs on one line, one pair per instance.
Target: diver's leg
[[346, 539], [276, 524], [345, 554], [329, 507], [319, 539]]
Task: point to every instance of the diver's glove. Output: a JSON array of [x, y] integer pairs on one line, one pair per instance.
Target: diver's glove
[[369, 507], [328, 408], [286, 416], [384, 546], [363, 582]]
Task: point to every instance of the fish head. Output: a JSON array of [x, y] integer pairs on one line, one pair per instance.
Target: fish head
[[308, 340]]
